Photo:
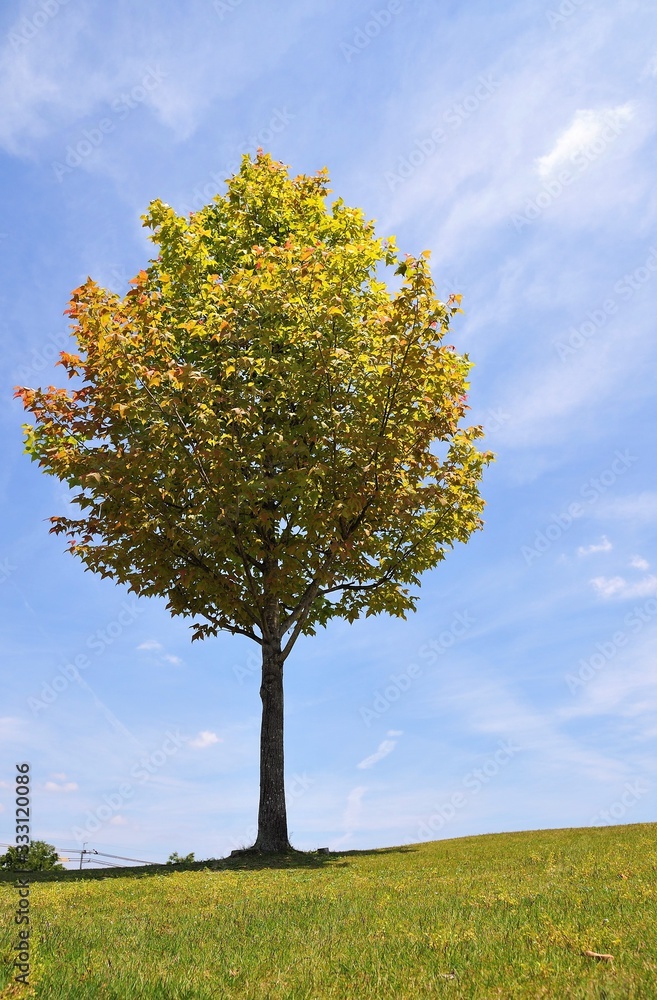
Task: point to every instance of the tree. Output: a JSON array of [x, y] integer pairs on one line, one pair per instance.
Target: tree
[[249, 427], [179, 859], [40, 857]]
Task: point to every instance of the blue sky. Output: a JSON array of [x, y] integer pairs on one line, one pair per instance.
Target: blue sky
[[517, 143]]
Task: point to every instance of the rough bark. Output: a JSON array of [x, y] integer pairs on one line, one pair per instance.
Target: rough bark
[[272, 813]]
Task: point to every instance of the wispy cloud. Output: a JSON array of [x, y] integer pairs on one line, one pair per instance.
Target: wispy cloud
[[638, 562], [625, 689], [638, 508], [10, 727], [55, 786], [608, 586], [602, 546], [587, 128], [384, 748], [205, 739], [351, 817], [491, 707], [650, 68], [153, 646], [52, 82], [618, 586]]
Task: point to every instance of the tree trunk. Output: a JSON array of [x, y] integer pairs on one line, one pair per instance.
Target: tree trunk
[[272, 814]]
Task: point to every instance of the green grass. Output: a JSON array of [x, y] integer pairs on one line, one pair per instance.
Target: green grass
[[505, 915]]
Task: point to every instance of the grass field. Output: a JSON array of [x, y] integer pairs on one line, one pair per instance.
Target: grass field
[[502, 915]]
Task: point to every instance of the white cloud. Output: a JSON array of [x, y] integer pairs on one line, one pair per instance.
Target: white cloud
[[604, 546], [587, 127], [118, 820], [150, 644], [68, 786], [644, 588], [153, 646], [205, 739], [640, 507], [638, 562], [608, 586], [617, 586], [386, 747]]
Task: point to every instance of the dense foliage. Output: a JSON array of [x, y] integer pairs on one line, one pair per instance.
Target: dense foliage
[[253, 419]]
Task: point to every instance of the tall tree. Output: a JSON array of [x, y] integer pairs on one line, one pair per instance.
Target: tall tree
[[249, 428]]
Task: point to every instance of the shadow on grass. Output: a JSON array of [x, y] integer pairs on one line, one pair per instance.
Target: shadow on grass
[[243, 861]]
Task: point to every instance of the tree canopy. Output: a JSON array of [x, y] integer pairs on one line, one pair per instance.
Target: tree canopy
[[254, 417]]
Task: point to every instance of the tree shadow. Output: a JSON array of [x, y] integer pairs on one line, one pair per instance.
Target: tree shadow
[[246, 860]]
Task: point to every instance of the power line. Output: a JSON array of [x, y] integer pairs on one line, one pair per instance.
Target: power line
[[82, 851], [117, 856]]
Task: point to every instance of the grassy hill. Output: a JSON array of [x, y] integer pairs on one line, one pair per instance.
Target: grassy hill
[[496, 916]]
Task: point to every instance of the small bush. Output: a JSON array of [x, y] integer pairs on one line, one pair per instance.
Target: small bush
[[176, 859]]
